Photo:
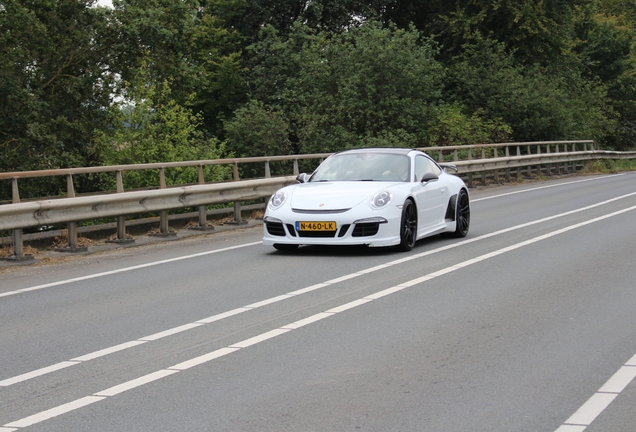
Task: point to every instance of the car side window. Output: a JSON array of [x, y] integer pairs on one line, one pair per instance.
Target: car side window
[[424, 165]]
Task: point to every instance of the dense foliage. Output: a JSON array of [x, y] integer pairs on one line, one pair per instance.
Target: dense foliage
[[149, 80]]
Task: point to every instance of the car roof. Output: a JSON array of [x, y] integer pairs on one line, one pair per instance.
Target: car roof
[[394, 150]]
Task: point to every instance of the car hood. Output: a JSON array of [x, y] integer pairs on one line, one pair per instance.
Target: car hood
[[335, 195]]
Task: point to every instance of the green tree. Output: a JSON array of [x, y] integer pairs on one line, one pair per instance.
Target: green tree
[[150, 126], [454, 127], [55, 85], [606, 44], [536, 31], [367, 86], [187, 43], [537, 103]]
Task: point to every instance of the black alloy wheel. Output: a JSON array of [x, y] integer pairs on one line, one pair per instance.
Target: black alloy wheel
[[408, 227], [462, 215]]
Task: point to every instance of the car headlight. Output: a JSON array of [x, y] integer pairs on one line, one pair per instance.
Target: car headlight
[[381, 199], [277, 200]]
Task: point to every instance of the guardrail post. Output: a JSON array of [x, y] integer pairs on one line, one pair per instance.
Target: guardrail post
[[495, 174], [71, 228], [164, 229], [203, 217], [507, 169], [548, 168], [296, 171], [18, 244], [121, 220], [237, 204], [470, 173]]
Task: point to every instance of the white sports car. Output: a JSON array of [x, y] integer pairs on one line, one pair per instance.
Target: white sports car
[[374, 197]]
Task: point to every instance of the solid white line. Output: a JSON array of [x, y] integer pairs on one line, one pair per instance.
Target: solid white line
[[260, 338], [203, 359], [268, 301], [126, 269], [171, 332], [107, 351], [310, 320], [223, 315], [590, 410], [54, 412], [308, 289], [349, 305], [137, 382], [546, 187], [37, 373]]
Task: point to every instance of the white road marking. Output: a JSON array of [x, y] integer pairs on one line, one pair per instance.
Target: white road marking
[[107, 351], [214, 318], [620, 380], [595, 405], [546, 187], [591, 409], [137, 382], [571, 428], [54, 412], [125, 269], [37, 373], [587, 413], [203, 359], [171, 332]]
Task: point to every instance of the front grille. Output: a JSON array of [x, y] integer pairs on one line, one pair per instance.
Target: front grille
[[291, 230], [365, 229], [275, 228], [343, 230], [315, 234]]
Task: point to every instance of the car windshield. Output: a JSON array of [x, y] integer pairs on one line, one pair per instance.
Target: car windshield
[[363, 167]]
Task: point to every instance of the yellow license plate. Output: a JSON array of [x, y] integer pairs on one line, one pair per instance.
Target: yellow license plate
[[315, 226]]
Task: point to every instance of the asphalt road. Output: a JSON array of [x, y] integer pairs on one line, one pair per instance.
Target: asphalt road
[[527, 324]]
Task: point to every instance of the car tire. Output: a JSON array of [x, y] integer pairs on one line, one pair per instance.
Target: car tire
[[408, 227], [285, 247], [462, 214]]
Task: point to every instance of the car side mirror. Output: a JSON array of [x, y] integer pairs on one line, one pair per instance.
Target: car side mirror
[[447, 166], [429, 177], [302, 178]]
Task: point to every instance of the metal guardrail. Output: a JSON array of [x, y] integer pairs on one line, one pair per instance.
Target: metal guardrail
[[492, 158]]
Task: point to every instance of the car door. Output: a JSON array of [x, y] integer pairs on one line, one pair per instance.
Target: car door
[[432, 196]]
